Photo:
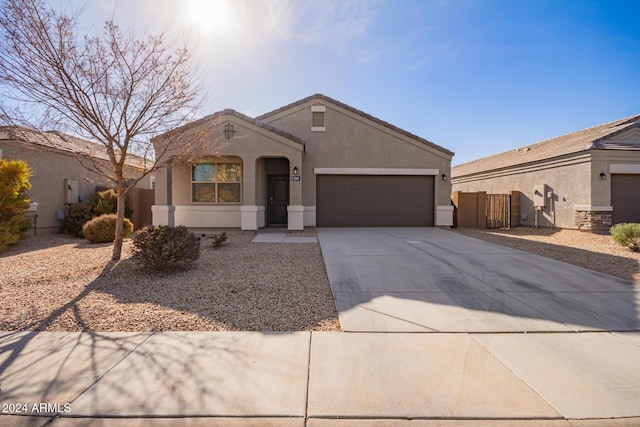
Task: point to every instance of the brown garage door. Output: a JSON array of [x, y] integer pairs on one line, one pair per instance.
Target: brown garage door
[[374, 201], [625, 198]]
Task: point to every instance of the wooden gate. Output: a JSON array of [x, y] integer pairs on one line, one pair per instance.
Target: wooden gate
[[498, 211], [140, 202], [482, 210]]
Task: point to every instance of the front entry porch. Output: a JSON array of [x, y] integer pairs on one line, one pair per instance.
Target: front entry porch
[[265, 181]]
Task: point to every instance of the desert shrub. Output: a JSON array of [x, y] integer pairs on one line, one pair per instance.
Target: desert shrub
[[166, 248], [219, 239], [14, 182], [627, 235], [102, 229], [77, 216], [106, 202], [100, 203]]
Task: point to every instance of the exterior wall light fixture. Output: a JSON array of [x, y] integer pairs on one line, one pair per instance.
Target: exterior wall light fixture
[[603, 176], [295, 170], [444, 177]]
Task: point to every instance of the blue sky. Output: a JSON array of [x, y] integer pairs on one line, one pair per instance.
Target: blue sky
[[475, 76]]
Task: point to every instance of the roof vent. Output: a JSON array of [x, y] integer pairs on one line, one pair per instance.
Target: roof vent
[[317, 118]]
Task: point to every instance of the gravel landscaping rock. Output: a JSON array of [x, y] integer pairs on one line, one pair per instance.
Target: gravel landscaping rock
[[60, 283], [596, 252]]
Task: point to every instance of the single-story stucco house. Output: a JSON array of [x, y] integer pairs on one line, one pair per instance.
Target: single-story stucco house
[[586, 180], [58, 178], [315, 162]]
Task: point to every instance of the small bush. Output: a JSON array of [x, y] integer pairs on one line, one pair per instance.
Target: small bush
[[100, 203], [627, 235], [219, 239], [77, 216], [165, 248], [105, 202], [102, 229]]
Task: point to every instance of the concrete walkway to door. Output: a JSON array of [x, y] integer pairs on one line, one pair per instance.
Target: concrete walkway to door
[[433, 280]]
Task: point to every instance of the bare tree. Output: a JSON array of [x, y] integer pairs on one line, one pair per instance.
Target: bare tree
[[116, 87]]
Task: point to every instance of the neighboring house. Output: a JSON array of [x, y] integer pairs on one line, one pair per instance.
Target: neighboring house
[[587, 180], [59, 179], [315, 162]]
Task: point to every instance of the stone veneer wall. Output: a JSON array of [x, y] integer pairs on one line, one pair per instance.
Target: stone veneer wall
[[598, 221]]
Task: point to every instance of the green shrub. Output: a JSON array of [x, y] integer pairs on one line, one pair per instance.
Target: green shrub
[[219, 239], [100, 203], [627, 235], [77, 216], [14, 182], [106, 202], [102, 229], [166, 248]]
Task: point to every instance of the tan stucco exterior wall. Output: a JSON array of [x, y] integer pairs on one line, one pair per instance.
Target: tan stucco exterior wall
[[349, 140], [250, 145], [608, 162], [353, 141], [50, 169], [574, 179], [568, 178]]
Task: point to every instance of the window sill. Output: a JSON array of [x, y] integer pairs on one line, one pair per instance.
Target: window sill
[[216, 203], [317, 129]]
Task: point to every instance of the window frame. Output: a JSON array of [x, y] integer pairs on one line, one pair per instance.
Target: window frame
[[216, 182], [318, 111]]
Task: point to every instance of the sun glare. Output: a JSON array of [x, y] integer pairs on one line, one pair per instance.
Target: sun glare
[[210, 15]]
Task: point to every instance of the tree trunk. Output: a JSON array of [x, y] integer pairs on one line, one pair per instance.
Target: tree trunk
[[117, 243]]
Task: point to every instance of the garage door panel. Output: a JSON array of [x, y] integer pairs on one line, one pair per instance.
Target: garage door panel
[[374, 201], [625, 198]]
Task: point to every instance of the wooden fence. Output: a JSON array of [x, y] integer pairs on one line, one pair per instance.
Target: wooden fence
[[482, 210], [140, 202]]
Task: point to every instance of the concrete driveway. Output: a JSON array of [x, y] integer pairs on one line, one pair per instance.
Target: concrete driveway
[[433, 280]]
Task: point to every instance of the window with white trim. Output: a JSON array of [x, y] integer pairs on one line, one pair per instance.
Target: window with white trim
[[216, 182]]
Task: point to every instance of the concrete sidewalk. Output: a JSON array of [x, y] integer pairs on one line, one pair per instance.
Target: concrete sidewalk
[[319, 379]]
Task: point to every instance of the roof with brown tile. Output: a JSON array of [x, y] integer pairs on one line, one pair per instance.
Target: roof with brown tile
[[321, 97], [593, 138]]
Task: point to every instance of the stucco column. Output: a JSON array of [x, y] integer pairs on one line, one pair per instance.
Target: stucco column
[[251, 215], [295, 187], [248, 181], [295, 210], [163, 211]]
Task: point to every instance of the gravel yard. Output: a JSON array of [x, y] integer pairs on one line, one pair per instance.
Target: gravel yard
[[60, 283], [593, 251]]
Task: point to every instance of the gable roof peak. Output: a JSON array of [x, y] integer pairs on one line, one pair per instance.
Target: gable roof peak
[[233, 113], [319, 96]]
